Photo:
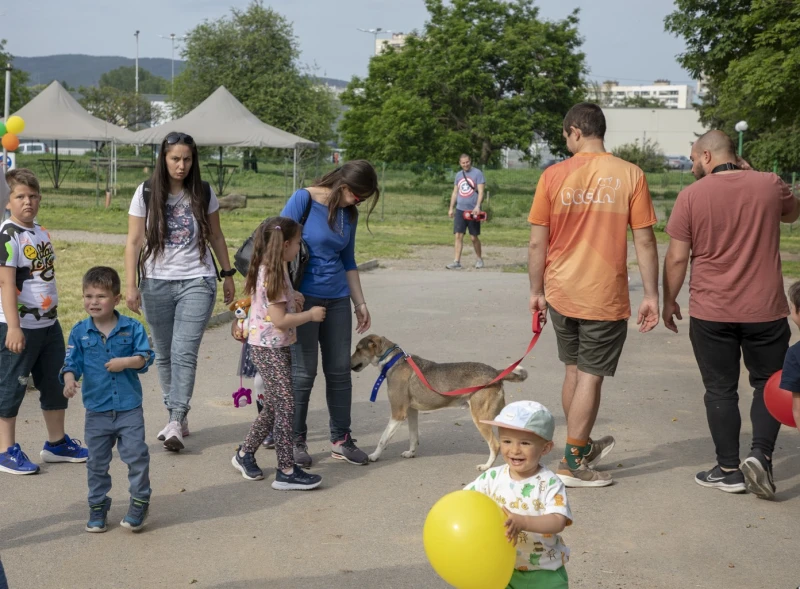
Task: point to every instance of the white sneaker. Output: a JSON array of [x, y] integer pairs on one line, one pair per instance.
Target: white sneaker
[[173, 437], [479, 264], [184, 430], [454, 266]]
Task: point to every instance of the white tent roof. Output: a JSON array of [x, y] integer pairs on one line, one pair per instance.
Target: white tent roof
[[54, 114], [224, 121]]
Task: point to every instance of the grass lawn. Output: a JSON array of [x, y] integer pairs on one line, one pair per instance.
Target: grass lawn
[[72, 262]]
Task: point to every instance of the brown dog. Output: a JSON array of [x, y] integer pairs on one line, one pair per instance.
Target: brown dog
[[408, 396]]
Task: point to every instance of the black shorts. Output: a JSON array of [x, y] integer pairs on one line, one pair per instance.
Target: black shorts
[[42, 358], [461, 225]]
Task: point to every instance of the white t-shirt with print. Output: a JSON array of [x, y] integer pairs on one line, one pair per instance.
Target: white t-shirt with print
[[180, 259], [29, 251], [541, 494]]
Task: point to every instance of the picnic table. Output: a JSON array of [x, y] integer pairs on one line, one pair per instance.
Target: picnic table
[[56, 168], [223, 174]]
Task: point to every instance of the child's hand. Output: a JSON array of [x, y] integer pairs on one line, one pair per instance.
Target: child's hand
[[15, 340], [318, 314], [299, 301], [117, 364], [70, 386], [513, 526], [796, 409]]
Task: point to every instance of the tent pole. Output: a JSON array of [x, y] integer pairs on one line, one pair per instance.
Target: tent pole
[[220, 172], [294, 171], [56, 168], [97, 173]]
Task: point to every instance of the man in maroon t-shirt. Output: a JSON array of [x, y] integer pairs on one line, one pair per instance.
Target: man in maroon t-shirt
[[728, 224]]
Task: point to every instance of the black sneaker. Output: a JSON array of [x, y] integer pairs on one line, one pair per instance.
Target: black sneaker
[[247, 465], [301, 456], [730, 482], [299, 480], [757, 472], [347, 450]]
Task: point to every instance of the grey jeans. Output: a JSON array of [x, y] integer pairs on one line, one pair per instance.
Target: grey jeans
[[177, 312], [102, 432]]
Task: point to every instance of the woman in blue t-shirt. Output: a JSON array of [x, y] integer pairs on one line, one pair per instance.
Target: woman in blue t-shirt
[[331, 281]]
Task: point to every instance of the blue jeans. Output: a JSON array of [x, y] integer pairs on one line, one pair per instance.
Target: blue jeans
[[102, 432], [3, 580], [177, 312], [333, 337]]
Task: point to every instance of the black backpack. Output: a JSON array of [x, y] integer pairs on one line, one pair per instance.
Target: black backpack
[[241, 260], [147, 192]]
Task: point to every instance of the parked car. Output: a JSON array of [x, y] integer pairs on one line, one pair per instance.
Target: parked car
[[678, 162], [32, 149]]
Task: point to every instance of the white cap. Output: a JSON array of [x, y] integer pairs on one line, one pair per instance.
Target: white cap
[[526, 416]]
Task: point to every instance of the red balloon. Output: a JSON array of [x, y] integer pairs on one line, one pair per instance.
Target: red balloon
[[778, 400]]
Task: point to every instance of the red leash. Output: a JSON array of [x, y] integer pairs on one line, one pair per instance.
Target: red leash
[[537, 331]]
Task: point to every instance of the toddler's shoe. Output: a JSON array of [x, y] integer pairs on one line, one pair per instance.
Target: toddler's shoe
[[98, 515], [269, 442], [67, 451], [299, 480], [137, 513], [15, 461], [247, 465]]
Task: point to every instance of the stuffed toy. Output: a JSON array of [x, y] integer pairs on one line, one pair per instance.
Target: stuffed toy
[[241, 309]]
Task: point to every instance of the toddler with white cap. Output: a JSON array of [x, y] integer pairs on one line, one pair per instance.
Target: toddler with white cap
[[531, 495]]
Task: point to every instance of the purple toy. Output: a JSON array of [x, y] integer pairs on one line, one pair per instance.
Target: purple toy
[[243, 396]]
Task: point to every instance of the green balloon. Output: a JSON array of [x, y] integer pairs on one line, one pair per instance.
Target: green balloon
[[3, 129]]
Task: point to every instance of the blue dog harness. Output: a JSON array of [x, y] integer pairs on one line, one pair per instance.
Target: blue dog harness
[[385, 369]]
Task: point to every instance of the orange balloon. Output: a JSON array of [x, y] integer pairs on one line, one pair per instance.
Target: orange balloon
[[10, 141]]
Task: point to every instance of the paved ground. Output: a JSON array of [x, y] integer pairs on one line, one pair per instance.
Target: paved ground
[[654, 528]]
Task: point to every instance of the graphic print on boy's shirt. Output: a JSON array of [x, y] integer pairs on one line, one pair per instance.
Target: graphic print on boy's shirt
[[31, 253]]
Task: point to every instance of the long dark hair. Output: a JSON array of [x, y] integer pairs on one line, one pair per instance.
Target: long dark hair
[[357, 175], [156, 223], [268, 251]]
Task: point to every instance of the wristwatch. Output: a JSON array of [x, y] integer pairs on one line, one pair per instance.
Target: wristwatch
[[227, 273]]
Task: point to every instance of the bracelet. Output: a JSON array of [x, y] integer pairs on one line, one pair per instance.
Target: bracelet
[[358, 305]]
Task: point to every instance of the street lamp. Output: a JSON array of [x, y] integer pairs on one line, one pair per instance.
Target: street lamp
[[741, 127], [374, 33], [172, 37], [136, 34]]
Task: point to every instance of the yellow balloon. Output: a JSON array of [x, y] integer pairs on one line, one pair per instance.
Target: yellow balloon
[[465, 541], [15, 125]]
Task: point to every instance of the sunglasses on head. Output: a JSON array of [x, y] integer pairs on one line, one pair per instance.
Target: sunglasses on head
[[176, 137]]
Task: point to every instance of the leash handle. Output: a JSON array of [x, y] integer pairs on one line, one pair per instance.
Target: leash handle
[[537, 322]]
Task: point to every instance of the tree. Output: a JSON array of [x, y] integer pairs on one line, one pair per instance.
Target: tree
[[124, 109], [254, 54], [20, 95], [747, 52], [124, 78], [648, 156], [483, 75]]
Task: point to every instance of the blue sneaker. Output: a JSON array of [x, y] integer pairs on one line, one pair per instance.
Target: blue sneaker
[[137, 513], [299, 480], [67, 451], [247, 465], [98, 514], [15, 461]]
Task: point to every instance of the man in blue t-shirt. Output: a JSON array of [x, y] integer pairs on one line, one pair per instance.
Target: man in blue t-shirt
[[468, 191], [790, 379]]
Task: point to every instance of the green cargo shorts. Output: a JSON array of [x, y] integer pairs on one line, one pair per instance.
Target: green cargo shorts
[[594, 346]]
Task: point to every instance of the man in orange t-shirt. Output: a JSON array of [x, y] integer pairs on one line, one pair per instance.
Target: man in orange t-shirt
[[577, 262]]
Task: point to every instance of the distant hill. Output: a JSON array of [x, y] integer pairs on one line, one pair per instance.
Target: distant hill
[[85, 70]]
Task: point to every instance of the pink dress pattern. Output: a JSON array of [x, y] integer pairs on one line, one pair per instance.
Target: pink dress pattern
[[263, 332]]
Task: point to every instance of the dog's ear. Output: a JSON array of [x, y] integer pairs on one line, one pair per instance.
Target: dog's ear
[[373, 346]]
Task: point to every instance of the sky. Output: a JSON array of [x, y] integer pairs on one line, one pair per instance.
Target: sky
[[624, 40]]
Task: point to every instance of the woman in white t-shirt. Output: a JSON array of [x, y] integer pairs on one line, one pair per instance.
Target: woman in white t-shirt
[[172, 221]]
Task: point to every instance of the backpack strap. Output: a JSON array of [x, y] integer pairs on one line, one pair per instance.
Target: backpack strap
[[307, 212]]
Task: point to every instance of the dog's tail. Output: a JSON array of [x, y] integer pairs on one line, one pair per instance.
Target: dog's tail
[[518, 375]]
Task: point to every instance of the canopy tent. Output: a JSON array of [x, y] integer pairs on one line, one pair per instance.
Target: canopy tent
[[221, 120], [54, 114]]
